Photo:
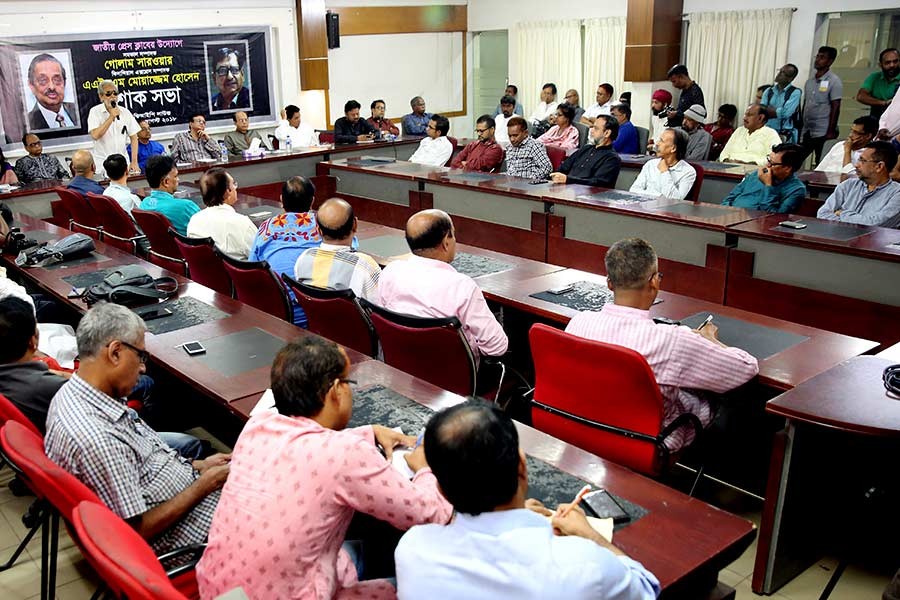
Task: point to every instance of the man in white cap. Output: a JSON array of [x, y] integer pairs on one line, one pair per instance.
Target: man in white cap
[[699, 140]]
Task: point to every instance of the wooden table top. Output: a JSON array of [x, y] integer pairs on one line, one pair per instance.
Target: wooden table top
[[825, 180], [892, 353], [783, 370], [678, 536], [30, 189], [849, 397]]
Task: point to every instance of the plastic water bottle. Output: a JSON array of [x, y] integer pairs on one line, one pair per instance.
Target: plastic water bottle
[[288, 145], [223, 151]]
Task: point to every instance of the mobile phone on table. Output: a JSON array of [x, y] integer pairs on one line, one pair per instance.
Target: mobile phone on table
[[603, 506], [76, 292], [156, 313], [793, 224], [560, 289], [194, 348]]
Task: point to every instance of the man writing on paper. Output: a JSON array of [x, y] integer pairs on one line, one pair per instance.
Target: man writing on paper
[[496, 547]]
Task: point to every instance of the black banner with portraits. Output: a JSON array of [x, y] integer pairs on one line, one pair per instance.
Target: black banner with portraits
[[50, 84]]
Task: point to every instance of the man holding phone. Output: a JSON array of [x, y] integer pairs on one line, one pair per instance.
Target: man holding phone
[[112, 127], [773, 187]]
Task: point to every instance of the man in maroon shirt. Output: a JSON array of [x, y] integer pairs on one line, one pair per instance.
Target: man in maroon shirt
[[378, 120], [484, 154]]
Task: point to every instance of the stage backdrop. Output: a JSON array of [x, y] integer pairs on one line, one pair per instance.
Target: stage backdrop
[[50, 83]]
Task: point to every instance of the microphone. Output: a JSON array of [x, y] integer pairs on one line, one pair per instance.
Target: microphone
[[113, 104]]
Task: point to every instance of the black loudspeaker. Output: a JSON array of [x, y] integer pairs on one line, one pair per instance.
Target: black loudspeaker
[[333, 29]]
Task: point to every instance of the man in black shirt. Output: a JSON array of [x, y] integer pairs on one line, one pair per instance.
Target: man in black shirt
[[595, 164], [691, 93], [350, 128]]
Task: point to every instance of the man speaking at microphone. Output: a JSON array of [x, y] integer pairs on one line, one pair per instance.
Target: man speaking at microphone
[[112, 127]]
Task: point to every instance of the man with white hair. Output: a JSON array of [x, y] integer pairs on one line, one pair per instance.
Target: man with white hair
[[112, 127]]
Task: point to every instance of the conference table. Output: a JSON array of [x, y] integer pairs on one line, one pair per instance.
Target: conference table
[[836, 423]]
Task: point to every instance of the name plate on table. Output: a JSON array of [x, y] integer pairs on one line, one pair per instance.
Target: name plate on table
[[186, 312], [757, 340], [839, 232], [240, 352], [370, 161]]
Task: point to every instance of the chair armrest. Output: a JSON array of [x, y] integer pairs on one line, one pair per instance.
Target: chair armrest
[[195, 550], [682, 419]]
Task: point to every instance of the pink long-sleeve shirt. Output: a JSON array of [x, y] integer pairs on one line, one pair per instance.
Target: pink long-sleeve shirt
[[680, 359], [424, 287], [284, 511], [567, 138]]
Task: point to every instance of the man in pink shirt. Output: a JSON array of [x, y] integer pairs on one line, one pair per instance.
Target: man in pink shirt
[[297, 478], [427, 285], [681, 358]]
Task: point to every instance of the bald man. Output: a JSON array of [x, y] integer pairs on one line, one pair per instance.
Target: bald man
[[83, 169], [335, 264], [427, 285]]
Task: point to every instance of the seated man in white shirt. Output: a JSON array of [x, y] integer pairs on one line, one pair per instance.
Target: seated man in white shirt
[[232, 232], [843, 155], [669, 175], [427, 285], [301, 135], [752, 142], [603, 105], [546, 107], [116, 168], [500, 545], [434, 149]]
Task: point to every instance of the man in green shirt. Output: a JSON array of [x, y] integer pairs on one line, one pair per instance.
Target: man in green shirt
[[879, 87], [773, 188], [163, 179]]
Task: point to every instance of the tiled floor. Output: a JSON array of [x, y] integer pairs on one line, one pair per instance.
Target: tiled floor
[[76, 580]]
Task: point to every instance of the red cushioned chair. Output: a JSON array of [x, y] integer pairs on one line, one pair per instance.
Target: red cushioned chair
[[61, 216], [204, 265], [603, 398], [694, 193], [455, 144], [84, 219], [325, 137], [556, 155], [9, 412], [336, 315], [164, 252], [124, 559], [119, 229], [255, 284]]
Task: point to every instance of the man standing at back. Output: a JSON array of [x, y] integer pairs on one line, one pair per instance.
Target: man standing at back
[[782, 101], [691, 93], [821, 104], [162, 176], [879, 88], [496, 547], [427, 285]]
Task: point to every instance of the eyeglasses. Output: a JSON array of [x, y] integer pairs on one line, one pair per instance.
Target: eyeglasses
[[431, 128], [571, 96], [867, 160], [110, 94], [37, 143], [481, 130], [657, 274], [44, 80], [199, 122], [142, 355], [773, 164], [344, 380], [224, 71]]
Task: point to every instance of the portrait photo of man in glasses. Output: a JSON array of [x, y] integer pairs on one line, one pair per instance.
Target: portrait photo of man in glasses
[[229, 81], [45, 91]]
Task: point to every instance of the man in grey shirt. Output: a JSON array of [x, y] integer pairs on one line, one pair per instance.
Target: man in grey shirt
[[699, 140], [872, 198], [822, 103]]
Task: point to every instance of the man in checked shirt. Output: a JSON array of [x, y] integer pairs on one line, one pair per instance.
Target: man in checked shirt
[[525, 157]]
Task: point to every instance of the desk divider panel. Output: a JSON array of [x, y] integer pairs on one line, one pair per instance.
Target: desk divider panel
[[486, 207], [374, 186]]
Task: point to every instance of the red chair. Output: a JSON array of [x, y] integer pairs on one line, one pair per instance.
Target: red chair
[[255, 284], [326, 137], [119, 229], [336, 315], [125, 561], [84, 219], [603, 398], [433, 349], [61, 217], [204, 265], [556, 155], [9, 412], [163, 250], [455, 144], [694, 194]]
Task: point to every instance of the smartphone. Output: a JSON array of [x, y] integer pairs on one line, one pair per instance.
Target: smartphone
[[793, 224], [603, 506], [76, 292], [665, 321], [560, 290], [194, 348], [156, 313], [537, 181]]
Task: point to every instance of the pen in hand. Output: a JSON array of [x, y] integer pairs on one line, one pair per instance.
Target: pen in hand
[[581, 494], [705, 323]]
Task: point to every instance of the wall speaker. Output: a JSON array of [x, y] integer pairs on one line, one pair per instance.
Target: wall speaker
[[333, 29]]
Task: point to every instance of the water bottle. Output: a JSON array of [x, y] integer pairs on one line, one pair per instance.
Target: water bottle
[[288, 144], [223, 151]]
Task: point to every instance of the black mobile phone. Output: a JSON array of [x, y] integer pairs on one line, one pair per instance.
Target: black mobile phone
[[665, 321], [194, 348], [156, 313], [605, 507], [76, 292], [538, 181]]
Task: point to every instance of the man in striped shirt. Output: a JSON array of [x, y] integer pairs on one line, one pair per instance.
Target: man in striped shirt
[[682, 359], [335, 264]]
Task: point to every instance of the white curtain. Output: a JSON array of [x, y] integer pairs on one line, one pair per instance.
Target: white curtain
[[604, 57], [730, 54], [548, 52]]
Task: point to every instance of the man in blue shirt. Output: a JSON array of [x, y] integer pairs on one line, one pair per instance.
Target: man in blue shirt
[[773, 188], [146, 147], [83, 168], [782, 101], [416, 122], [163, 178], [627, 140]]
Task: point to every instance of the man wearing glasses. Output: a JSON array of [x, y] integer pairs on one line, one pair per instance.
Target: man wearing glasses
[[871, 198], [751, 143], [195, 144], [228, 74], [37, 166], [773, 188], [47, 81], [112, 127], [484, 154]]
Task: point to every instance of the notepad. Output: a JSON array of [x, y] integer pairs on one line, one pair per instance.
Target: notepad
[[602, 526]]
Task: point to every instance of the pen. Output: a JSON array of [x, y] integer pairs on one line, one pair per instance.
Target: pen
[[705, 323], [577, 499]]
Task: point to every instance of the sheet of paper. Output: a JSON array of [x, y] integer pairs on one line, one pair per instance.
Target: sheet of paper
[[254, 144], [265, 403], [602, 526]]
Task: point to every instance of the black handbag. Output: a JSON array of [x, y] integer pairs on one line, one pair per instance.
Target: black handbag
[[70, 247], [131, 285]]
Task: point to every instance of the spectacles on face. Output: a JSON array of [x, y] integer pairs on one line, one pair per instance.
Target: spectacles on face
[[571, 96], [142, 355], [344, 380], [773, 164], [44, 80], [201, 122], [111, 93], [224, 71], [430, 128], [658, 275], [33, 144], [867, 160], [480, 131]]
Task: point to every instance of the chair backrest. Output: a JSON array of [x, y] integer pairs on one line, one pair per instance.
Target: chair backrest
[[164, 252], [84, 219], [455, 143], [556, 156], [275, 142], [694, 193], [583, 133], [325, 137], [61, 215], [118, 228], [336, 315], [433, 349], [204, 265], [255, 284], [122, 558], [643, 139], [11, 412], [809, 207], [595, 383]]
